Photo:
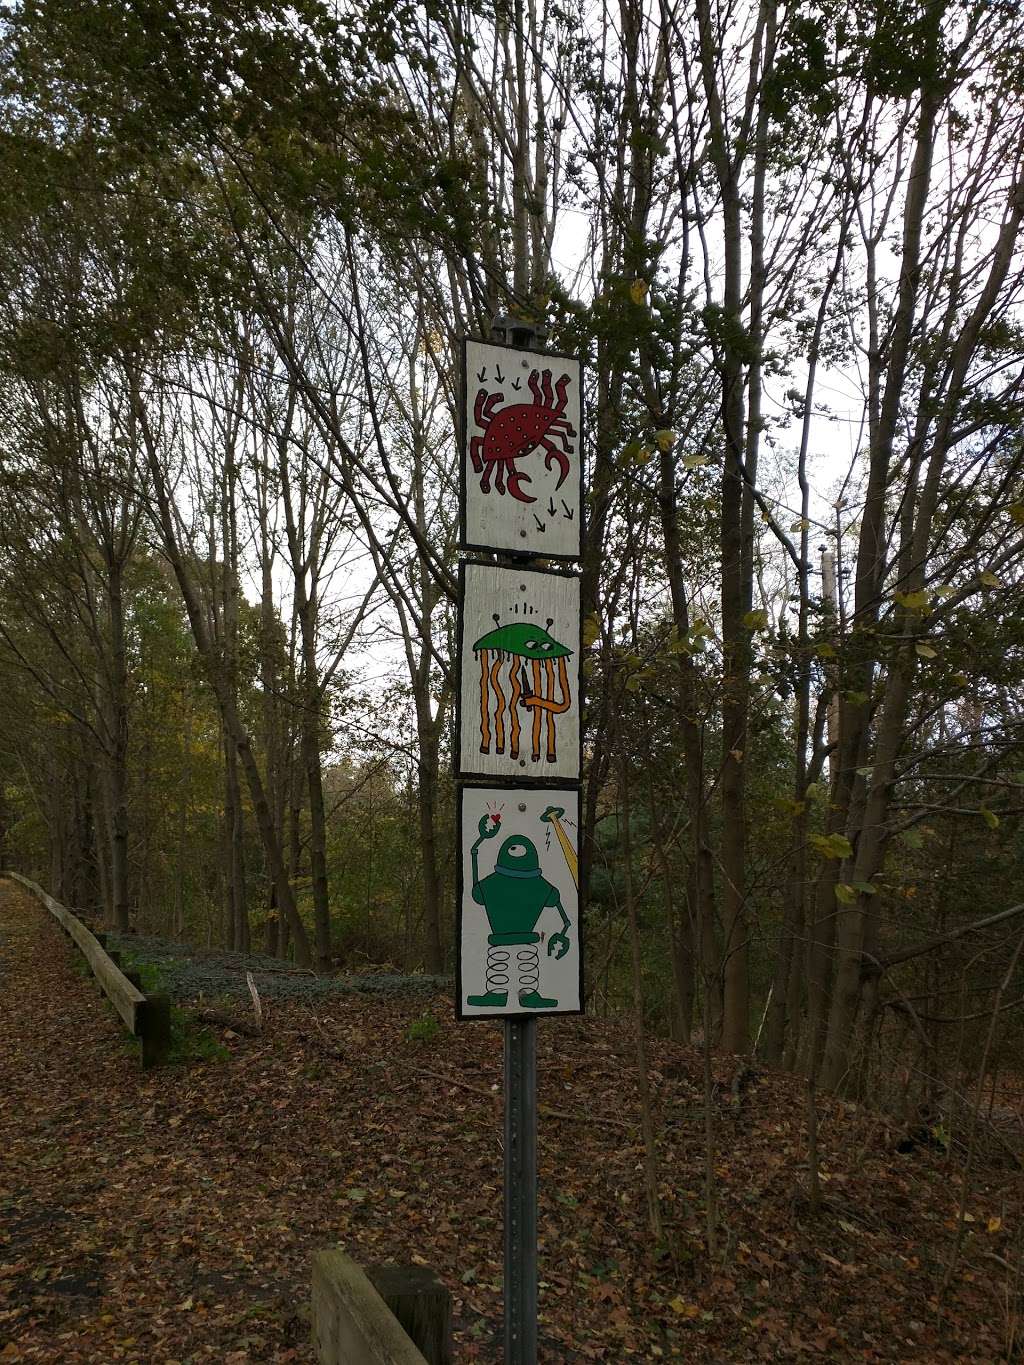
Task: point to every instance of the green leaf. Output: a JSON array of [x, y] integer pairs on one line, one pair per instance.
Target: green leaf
[[694, 461], [832, 845], [990, 580], [665, 439], [845, 893], [591, 629], [755, 620], [990, 817], [824, 650], [913, 601], [926, 651], [866, 889], [1016, 510], [856, 698]]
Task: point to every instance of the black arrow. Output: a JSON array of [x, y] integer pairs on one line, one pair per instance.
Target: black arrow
[[482, 375], [499, 377], [552, 509], [541, 526], [517, 383], [569, 513]]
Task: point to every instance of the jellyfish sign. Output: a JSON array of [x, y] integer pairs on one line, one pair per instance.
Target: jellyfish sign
[[519, 930], [522, 455], [519, 650]]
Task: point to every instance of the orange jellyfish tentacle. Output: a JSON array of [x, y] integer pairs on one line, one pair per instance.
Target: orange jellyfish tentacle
[[499, 710], [485, 708], [549, 677], [513, 705], [535, 703]]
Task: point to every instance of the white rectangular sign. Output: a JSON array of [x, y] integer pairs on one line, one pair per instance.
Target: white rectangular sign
[[519, 674], [519, 929], [522, 451]]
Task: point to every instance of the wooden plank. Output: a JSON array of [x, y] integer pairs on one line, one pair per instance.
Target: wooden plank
[[351, 1322], [126, 998]]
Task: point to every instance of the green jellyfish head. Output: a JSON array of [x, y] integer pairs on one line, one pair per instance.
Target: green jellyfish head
[[522, 639], [517, 857]]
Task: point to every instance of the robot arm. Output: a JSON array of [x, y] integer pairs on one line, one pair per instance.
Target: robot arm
[[488, 827], [560, 936]]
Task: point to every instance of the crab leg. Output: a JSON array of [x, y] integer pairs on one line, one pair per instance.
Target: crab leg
[[515, 478], [553, 453]]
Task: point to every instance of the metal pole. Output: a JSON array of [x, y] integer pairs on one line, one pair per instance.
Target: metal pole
[[520, 1096], [520, 1192]]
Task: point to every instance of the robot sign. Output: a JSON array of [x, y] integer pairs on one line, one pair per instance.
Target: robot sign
[[519, 652], [522, 453], [519, 928]]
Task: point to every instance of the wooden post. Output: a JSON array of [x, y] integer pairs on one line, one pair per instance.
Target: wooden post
[[153, 1025], [352, 1325], [422, 1305]]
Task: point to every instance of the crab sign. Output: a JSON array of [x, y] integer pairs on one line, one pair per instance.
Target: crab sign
[[510, 433]]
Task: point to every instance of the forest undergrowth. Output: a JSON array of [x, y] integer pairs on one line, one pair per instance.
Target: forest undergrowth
[[171, 1216]]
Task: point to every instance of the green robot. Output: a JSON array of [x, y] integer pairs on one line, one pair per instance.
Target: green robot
[[514, 897]]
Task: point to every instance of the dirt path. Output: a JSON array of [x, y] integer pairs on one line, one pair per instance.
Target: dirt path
[[171, 1216], [110, 1204]]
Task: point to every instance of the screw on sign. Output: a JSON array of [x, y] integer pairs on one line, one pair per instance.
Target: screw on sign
[[512, 432]]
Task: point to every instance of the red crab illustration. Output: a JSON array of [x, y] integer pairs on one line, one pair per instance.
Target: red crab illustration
[[512, 432]]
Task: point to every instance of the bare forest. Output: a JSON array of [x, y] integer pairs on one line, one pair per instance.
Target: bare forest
[[240, 247]]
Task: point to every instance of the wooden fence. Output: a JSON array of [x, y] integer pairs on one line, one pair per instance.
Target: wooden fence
[[146, 1017]]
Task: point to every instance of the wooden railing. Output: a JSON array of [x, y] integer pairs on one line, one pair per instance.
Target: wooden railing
[[146, 1017]]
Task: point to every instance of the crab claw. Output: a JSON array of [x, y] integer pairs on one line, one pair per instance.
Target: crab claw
[[514, 479], [563, 465]]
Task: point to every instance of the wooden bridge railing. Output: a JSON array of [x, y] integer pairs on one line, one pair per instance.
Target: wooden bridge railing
[[146, 1017]]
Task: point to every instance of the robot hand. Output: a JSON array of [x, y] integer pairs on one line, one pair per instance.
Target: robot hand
[[489, 826], [563, 943]]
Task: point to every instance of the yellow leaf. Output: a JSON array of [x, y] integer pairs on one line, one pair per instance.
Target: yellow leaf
[[684, 1309], [638, 290], [694, 461], [990, 580], [926, 652], [665, 438], [591, 629], [1017, 513], [994, 1224]]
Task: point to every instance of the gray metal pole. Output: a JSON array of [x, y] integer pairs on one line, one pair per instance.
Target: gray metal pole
[[521, 1192], [520, 1096]]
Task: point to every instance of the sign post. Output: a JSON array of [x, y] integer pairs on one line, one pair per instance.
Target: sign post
[[519, 743]]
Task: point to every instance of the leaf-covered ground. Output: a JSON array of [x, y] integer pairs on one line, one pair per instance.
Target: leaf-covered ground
[[171, 1216]]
